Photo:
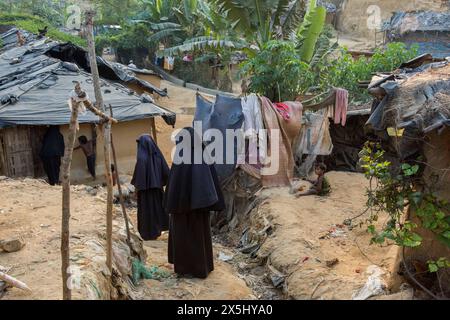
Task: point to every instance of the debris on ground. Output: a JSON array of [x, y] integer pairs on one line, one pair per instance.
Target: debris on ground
[[332, 263], [374, 285], [140, 271], [224, 257], [308, 246], [276, 276], [12, 244]]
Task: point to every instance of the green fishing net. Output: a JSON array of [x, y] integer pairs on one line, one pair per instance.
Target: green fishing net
[[140, 271]]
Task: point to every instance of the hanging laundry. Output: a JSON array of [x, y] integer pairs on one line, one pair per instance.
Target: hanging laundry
[[169, 63], [253, 124], [315, 138], [283, 109], [341, 105], [274, 122], [188, 58]]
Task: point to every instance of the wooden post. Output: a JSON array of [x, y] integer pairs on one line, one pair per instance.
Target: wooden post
[[153, 126], [119, 188], [106, 135], [65, 179]]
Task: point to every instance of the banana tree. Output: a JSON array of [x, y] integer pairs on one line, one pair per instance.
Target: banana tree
[[309, 31], [260, 21]]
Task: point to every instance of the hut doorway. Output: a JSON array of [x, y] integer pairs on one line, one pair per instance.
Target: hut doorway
[[19, 151]]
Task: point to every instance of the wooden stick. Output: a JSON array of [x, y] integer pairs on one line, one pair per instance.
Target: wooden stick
[[99, 113], [119, 187], [14, 282], [106, 134], [65, 179]]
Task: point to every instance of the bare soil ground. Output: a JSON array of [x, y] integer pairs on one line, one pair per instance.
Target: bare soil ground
[[319, 256]]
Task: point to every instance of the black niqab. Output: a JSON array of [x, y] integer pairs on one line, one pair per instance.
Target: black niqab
[[53, 143], [149, 177], [51, 152], [151, 170], [192, 186], [192, 192]]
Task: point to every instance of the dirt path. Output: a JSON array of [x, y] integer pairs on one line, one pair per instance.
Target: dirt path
[[31, 209], [305, 242]]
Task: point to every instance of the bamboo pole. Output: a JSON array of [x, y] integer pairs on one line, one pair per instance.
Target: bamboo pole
[[14, 282], [65, 179], [119, 188], [106, 134]]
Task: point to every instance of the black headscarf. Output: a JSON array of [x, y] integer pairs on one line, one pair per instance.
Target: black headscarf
[[151, 170], [53, 143], [192, 186]]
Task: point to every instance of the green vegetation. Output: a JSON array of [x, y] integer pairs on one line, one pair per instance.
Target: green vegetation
[[392, 191], [278, 71], [345, 72], [293, 37], [34, 23]]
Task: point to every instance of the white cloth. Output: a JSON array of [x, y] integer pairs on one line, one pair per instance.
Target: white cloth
[[315, 138], [253, 129]]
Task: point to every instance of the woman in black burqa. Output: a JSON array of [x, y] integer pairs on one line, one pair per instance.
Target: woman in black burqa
[[51, 152], [149, 177], [193, 191]]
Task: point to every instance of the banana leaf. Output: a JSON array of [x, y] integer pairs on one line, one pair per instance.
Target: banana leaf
[[312, 34]]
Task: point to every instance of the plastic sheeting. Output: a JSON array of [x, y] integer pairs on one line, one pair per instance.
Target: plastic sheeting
[[71, 53], [35, 88]]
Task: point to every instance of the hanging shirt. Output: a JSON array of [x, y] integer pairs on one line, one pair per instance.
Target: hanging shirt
[[253, 124]]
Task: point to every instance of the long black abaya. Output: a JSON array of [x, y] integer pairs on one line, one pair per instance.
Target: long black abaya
[[51, 152], [149, 178], [193, 191]]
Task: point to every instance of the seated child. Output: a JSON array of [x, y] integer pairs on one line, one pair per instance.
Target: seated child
[[321, 186]]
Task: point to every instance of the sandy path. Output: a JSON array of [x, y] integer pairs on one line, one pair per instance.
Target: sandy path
[[308, 233]]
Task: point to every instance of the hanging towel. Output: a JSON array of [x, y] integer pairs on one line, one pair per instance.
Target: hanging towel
[[341, 105]]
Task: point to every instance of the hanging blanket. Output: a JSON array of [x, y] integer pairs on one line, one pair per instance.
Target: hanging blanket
[[287, 132]]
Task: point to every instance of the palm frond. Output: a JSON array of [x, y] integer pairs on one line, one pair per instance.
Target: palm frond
[[201, 43], [164, 25], [292, 17], [323, 50], [237, 12], [165, 33]]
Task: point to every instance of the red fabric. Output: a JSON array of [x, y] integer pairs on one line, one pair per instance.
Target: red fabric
[[283, 109]]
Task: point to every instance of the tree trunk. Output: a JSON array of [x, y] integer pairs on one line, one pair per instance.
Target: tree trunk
[[65, 178], [106, 135]]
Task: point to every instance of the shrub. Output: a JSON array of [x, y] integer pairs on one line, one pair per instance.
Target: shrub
[[33, 24]]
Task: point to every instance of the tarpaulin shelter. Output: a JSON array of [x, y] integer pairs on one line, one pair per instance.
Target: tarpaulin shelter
[[411, 117], [35, 85], [429, 30]]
